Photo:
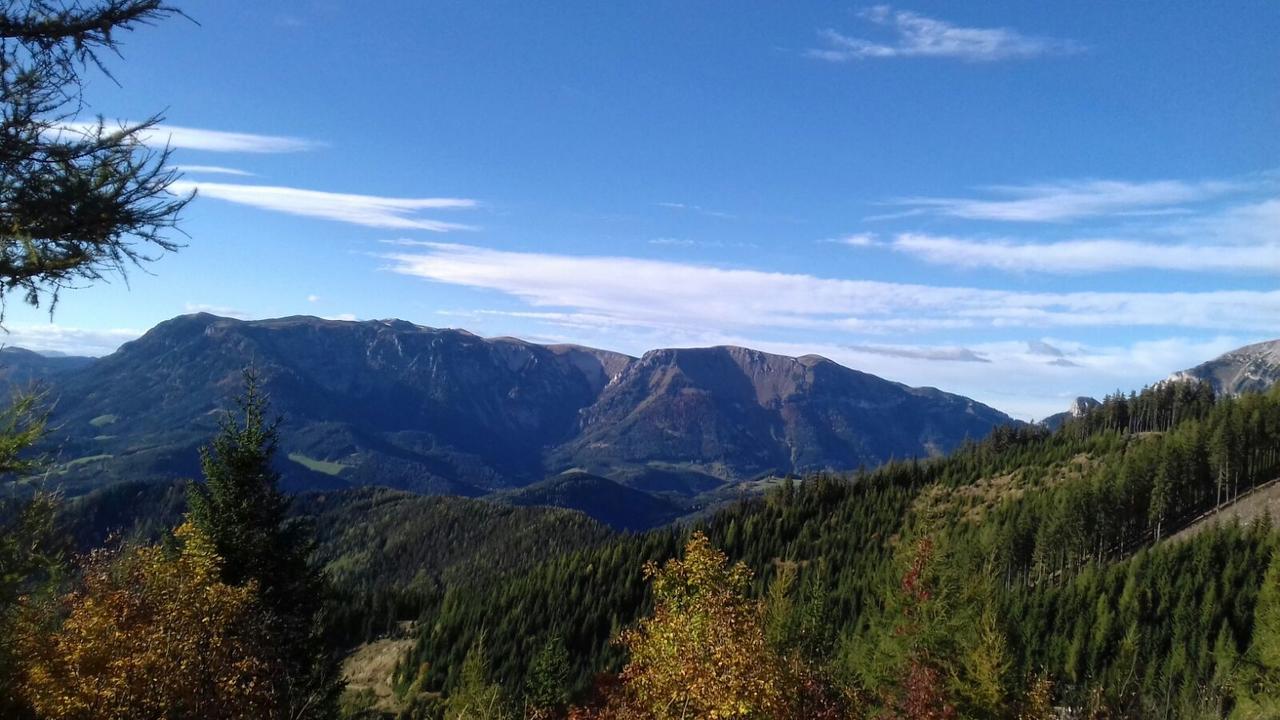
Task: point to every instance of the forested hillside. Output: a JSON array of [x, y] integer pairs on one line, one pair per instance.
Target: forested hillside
[[1043, 553], [1046, 553]]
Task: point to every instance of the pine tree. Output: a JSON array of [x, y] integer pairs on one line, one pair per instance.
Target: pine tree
[[1259, 686], [477, 696], [78, 200], [547, 688], [239, 506]]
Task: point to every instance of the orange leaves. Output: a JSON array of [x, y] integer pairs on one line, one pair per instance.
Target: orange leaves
[[150, 634]]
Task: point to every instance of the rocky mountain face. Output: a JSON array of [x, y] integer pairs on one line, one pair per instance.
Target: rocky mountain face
[[1252, 368], [1079, 408], [731, 412], [445, 411]]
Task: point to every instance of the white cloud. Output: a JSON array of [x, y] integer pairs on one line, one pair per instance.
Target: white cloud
[[697, 209], [67, 340], [856, 239], [663, 294], [1020, 377], [219, 310], [1082, 256], [944, 354], [367, 210], [313, 298], [1249, 223], [189, 138], [920, 36], [1023, 382], [1041, 347], [671, 241], [212, 170], [1069, 200], [345, 317]]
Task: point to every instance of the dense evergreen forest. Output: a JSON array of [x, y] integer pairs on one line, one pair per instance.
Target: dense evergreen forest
[[1049, 551], [1029, 569]]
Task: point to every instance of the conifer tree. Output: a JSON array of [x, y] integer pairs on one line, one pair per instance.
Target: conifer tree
[[240, 507], [477, 696], [548, 684], [78, 200], [1259, 688]]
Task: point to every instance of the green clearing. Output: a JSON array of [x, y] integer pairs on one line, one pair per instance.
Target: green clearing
[[322, 466]]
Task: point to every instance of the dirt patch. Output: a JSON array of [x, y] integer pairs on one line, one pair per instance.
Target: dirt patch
[[371, 665], [1251, 506]]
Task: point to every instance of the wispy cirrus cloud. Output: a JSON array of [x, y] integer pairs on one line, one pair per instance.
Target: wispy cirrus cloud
[[1085, 256], [367, 210], [1256, 222], [864, 239], [189, 138], [686, 207], [1069, 200], [212, 170], [943, 354], [916, 35], [1025, 379], [671, 295]]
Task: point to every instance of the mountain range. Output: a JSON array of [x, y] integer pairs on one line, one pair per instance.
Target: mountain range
[[1252, 368], [441, 411]]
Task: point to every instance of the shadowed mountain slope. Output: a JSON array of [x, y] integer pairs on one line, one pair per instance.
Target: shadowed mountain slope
[[445, 411]]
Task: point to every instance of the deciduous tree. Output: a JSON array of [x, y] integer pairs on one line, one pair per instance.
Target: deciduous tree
[[150, 633]]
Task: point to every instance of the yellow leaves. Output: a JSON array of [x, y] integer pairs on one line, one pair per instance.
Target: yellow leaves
[[702, 653], [150, 634]]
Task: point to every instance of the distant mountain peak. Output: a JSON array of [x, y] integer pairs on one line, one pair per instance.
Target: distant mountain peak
[[1252, 368], [389, 402]]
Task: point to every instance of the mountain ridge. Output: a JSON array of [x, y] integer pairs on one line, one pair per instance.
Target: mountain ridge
[[442, 410], [1252, 368]]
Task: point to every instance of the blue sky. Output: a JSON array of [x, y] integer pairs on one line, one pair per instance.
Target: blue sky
[[1020, 202]]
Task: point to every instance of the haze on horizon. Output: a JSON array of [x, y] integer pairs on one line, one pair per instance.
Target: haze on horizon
[[1017, 203]]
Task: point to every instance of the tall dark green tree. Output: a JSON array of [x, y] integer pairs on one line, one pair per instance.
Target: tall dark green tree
[[547, 687], [241, 508], [1259, 685], [78, 199]]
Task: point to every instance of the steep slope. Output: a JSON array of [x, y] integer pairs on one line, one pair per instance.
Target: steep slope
[[1252, 368], [20, 368], [384, 402], [445, 411], [731, 412]]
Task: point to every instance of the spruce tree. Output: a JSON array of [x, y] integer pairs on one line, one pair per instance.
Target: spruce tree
[[240, 507], [477, 696], [547, 688], [1259, 684]]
